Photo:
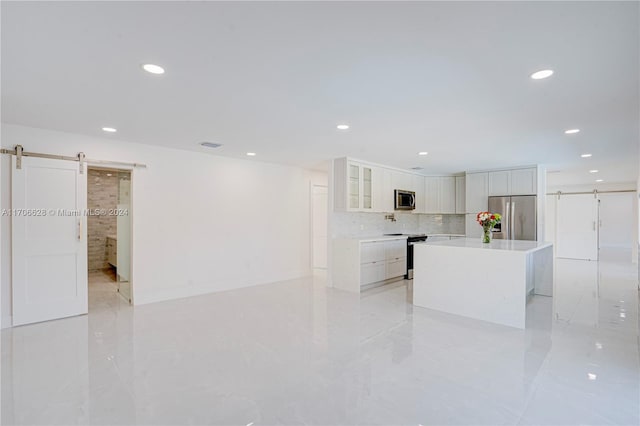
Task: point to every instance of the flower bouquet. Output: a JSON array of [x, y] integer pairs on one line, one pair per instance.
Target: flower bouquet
[[488, 221]]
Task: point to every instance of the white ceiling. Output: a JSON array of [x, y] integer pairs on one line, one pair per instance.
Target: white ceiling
[[276, 78]]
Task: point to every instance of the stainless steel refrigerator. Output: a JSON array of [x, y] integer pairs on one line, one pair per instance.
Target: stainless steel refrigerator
[[519, 217]]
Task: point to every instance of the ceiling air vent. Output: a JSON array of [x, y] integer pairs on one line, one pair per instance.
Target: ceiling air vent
[[211, 144]]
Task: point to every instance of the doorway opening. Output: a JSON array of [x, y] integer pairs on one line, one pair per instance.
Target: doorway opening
[[109, 236]]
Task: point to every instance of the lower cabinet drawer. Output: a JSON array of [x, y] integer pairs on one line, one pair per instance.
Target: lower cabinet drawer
[[395, 249], [372, 252], [396, 268], [372, 272]]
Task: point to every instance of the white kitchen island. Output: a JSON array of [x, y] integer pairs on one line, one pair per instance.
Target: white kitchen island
[[489, 282]]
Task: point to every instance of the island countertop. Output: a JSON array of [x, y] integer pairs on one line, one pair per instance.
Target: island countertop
[[490, 282], [475, 243]]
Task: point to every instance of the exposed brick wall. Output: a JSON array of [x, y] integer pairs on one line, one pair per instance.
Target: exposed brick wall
[[102, 194]]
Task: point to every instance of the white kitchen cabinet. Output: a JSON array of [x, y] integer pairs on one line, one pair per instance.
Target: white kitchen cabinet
[[388, 197], [524, 181], [460, 195], [354, 185], [418, 186], [373, 261], [513, 182], [372, 252], [500, 183], [382, 260], [395, 249], [367, 190], [476, 192], [395, 268], [431, 194], [372, 272], [440, 194], [395, 258], [377, 190], [447, 194], [358, 263], [402, 180]]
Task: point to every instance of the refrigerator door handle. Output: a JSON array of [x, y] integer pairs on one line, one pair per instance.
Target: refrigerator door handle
[[512, 225], [506, 226]]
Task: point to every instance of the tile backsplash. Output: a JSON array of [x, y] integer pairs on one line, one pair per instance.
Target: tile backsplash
[[365, 224]]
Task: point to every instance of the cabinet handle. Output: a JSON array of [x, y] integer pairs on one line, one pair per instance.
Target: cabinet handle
[[79, 229]]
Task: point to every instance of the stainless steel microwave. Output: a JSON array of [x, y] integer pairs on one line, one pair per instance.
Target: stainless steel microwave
[[404, 200]]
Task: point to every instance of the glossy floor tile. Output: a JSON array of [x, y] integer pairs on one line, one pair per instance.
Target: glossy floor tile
[[296, 352]]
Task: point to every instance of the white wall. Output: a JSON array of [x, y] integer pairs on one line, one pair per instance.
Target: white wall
[[201, 223]]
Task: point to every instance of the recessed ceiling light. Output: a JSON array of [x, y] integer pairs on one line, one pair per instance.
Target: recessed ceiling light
[[571, 131], [593, 171], [539, 75], [585, 155], [251, 154], [153, 69], [342, 127], [109, 129], [599, 180], [423, 153], [592, 376], [211, 144]]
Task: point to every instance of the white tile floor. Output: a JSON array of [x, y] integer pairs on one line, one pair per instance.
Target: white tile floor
[[298, 353]]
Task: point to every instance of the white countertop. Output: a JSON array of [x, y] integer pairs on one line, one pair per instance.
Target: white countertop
[[446, 235], [367, 239], [506, 245]]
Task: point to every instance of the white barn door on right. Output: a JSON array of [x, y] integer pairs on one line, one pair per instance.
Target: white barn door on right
[[577, 227]]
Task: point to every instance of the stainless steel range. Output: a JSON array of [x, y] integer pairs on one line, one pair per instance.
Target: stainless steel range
[[411, 240]]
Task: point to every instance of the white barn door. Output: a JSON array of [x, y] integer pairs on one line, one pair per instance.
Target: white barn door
[[49, 240], [577, 227]]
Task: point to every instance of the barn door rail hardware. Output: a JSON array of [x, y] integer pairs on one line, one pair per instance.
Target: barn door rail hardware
[[19, 152]]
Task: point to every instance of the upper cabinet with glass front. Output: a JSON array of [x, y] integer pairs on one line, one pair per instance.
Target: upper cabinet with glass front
[[353, 186]]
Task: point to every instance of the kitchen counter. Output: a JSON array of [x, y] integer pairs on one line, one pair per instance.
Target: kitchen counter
[[439, 236], [490, 282], [372, 238], [507, 245]]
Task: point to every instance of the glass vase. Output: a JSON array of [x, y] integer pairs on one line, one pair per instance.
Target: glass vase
[[486, 235]]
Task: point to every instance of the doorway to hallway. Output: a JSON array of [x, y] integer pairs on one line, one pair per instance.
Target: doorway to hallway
[[108, 235]]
